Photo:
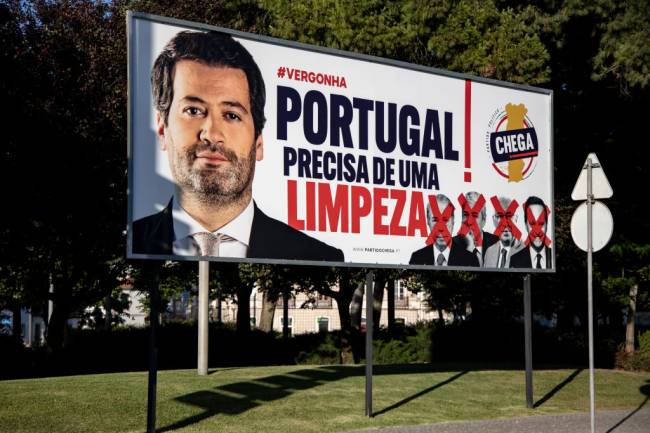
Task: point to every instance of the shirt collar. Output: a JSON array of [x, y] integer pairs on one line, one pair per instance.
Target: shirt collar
[[239, 228], [533, 256], [437, 252]]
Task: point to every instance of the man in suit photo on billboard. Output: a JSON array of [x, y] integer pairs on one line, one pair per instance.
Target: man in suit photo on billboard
[[505, 222], [471, 234], [538, 253], [209, 97], [441, 249]]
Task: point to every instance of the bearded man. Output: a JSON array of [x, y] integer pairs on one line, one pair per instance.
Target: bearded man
[[209, 97]]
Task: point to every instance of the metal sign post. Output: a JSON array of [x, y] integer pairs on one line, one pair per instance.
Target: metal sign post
[[528, 342], [592, 184], [369, 329], [590, 297], [153, 281], [204, 310]]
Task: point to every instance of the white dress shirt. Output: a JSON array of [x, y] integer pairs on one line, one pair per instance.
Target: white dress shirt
[[185, 226], [437, 252], [533, 257]]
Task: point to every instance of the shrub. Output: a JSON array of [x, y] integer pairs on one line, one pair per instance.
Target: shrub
[[639, 360], [326, 350], [644, 343], [411, 344]]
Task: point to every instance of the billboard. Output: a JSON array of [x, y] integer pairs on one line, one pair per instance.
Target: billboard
[[248, 148]]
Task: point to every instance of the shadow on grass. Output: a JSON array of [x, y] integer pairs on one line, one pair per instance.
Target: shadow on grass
[[645, 389], [236, 398], [557, 388], [212, 371], [421, 393]]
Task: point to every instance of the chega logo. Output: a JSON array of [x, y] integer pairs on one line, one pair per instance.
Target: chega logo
[[512, 143]]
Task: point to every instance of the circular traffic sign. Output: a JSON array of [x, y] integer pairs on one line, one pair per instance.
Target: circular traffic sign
[[602, 226]]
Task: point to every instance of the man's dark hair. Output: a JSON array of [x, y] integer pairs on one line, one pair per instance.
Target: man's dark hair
[[212, 49], [535, 200]]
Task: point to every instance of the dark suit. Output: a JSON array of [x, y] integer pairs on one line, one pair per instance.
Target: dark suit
[[488, 240], [522, 258], [458, 256], [269, 239]]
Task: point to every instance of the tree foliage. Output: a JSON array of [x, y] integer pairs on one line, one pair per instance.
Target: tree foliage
[[64, 147], [623, 52]]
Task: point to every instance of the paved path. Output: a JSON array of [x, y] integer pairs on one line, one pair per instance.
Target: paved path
[[616, 421]]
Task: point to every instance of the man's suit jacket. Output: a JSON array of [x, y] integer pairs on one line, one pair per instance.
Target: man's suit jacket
[[488, 240], [458, 256], [269, 239], [522, 259], [491, 259]]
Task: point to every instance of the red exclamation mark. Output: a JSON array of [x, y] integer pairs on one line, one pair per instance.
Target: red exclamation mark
[[468, 130]]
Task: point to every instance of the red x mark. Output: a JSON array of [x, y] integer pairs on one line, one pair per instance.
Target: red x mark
[[537, 226], [441, 218], [505, 217], [470, 214]]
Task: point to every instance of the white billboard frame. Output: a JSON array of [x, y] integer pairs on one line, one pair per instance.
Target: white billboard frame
[[132, 17]]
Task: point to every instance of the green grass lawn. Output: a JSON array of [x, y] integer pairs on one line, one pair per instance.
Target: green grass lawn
[[302, 398]]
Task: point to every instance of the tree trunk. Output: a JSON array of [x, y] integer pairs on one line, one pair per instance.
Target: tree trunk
[[56, 332], [16, 323], [219, 307], [244, 310], [378, 300], [356, 307], [441, 318], [631, 315], [285, 314], [268, 312], [390, 292], [347, 352], [108, 306]]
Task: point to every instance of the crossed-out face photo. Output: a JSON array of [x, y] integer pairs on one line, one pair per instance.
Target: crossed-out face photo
[[472, 246]]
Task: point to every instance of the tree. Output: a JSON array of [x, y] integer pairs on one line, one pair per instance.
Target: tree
[[626, 283], [272, 281], [339, 284], [623, 52], [64, 147], [477, 37]]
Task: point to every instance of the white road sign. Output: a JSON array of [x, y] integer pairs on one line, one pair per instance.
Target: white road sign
[[600, 187], [603, 224]]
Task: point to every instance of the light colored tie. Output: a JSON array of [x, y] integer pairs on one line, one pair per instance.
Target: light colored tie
[[504, 253], [440, 261], [209, 243]]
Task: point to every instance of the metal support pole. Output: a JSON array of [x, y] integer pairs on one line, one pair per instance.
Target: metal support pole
[[369, 329], [204, 310], [528, 341], [153, 278], [590, 297]]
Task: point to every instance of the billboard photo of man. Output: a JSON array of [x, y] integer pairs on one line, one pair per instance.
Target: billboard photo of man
[[538, 253], [441, 249], [471, 234], [505, 218], [209, 97]]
